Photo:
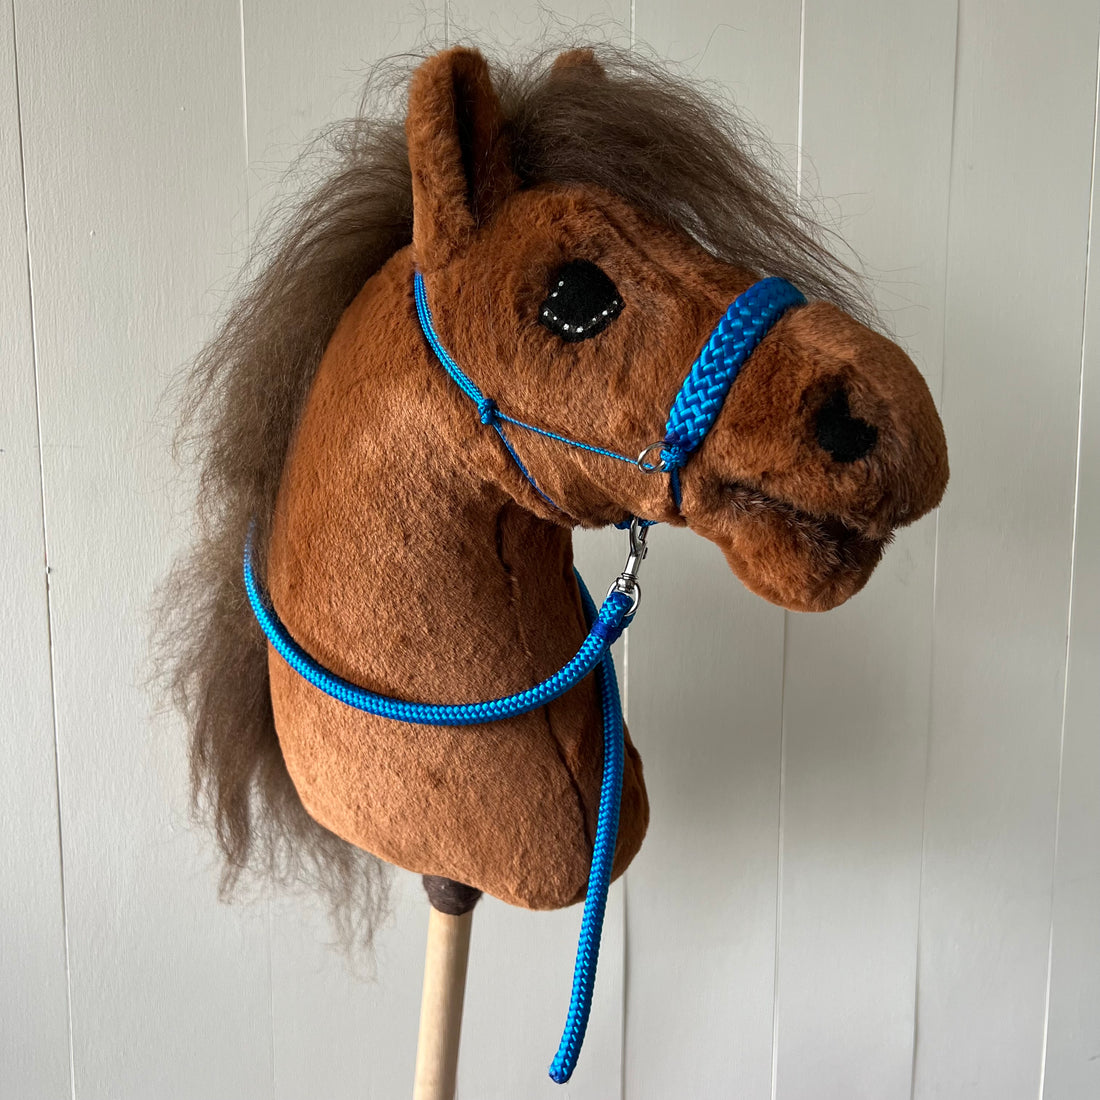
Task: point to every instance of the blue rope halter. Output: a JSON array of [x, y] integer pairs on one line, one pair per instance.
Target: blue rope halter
[[696, 406]]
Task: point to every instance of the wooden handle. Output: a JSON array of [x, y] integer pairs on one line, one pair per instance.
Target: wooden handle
[[441, 1005]]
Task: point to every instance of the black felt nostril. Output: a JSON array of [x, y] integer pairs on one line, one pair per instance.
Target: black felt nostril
[[845, 437]]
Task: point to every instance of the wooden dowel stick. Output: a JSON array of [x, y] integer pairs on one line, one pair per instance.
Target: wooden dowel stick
[[441, 1005]]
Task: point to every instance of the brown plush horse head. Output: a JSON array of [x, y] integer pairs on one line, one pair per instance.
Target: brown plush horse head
[[580, 231]]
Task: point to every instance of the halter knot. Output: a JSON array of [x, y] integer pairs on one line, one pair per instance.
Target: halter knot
[[487, 410], [673, 457]]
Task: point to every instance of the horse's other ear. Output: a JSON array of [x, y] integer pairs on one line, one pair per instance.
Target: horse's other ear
[[458, 153], [579, 61]]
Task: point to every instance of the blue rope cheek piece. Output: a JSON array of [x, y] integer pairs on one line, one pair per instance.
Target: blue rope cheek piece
[[693, 412], [486, 407]]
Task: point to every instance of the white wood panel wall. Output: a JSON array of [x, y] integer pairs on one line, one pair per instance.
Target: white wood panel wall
[[34, 1019], [874, 864]]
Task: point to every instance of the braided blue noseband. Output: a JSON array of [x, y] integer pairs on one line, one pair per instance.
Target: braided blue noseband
[[694, 411]]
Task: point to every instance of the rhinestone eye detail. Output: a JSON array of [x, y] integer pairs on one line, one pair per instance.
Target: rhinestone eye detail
[[582, 302]]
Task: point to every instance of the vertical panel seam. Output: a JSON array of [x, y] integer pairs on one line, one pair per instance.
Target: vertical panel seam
[[625, 990], [271, 994], [248, 244], [625, 1007], [45, 548], [779, 843], [244, 102], [935, 574], [947, 218], [779, 860], [801, 86], [1072, 579]]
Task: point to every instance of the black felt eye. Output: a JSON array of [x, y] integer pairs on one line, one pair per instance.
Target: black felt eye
[[582, 301]]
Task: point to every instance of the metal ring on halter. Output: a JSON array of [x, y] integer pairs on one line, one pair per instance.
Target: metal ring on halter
[[650, 467]]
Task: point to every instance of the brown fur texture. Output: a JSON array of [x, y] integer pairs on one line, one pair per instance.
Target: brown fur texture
[[408, 553]]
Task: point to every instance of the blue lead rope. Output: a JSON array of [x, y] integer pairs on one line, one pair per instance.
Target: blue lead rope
[[605, 626], [599, 874]]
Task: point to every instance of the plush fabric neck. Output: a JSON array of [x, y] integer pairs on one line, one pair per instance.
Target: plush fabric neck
[[393, 539], [399, 562], [436, 594]]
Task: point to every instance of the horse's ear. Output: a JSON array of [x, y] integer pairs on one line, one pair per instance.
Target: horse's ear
[[458, 153], [578, 61]]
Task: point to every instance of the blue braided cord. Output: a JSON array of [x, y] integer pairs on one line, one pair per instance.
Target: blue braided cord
[[599, 875], [523, 469], [734, 339], [486, 407], [441, 353], [674, 485], [613, 617], [605, 627], [565, 439]]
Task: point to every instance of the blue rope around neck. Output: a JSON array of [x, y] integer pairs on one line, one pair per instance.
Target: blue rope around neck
[[605, 626]]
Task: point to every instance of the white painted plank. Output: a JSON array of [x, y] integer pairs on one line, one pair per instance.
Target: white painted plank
[[1073, 1031], [34, 1014], [704, 675], [705, 683], [134, 160], [305, 67], [342, 1028], [878, 88], [337, 1033], [1025, 90], [511, 29]]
